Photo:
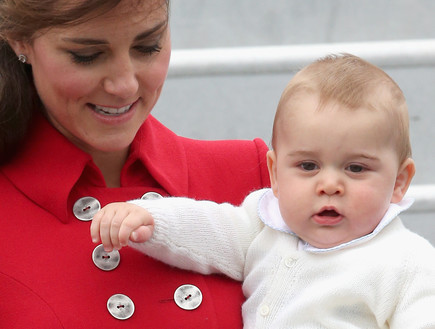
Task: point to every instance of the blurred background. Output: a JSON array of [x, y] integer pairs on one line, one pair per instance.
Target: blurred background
[[242, 106]]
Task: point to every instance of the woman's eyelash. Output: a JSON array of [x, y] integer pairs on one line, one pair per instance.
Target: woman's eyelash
[[148, 49], [84, 59], [89, 59]]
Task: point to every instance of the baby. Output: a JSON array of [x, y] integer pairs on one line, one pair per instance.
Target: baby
[[323, 248]]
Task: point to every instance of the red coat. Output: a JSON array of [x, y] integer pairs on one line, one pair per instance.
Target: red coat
[[47, 276]]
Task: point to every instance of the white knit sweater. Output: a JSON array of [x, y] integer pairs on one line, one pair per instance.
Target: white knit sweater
[[386, 280]]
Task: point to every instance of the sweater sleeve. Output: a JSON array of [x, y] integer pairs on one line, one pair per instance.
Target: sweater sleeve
[[416, 304], [202, 236]]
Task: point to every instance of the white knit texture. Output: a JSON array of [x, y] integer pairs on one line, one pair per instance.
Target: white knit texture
[[387, 282], [212, 239]]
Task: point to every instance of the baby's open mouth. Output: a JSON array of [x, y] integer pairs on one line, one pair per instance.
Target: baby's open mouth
[[329, 213], [328, 216]]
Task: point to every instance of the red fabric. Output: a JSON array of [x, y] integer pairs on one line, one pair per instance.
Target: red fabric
[[47, 277]]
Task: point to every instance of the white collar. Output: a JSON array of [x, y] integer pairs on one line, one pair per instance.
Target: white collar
[[268, 211]]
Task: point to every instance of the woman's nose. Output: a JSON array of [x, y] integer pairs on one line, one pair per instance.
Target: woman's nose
[[121, 79]]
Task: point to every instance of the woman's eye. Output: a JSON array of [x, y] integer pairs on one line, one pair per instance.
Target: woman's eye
[[148, 50], [355, 168], [84, 59], [308, 166]]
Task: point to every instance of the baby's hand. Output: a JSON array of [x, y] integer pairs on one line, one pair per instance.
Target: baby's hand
[[118, 222]]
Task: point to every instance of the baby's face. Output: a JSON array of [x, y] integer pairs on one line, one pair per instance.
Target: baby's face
[[335, 170]]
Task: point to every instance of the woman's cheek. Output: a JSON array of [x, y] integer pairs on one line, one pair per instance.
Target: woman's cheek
[[75, 86], [154, 78]]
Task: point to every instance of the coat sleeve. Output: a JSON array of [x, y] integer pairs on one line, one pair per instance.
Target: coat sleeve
[[202, 236], [225, 171]]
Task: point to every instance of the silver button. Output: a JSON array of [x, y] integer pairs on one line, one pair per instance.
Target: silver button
[[120, 306], [85, 208], [151, 196], [188, 297], [105, 261]]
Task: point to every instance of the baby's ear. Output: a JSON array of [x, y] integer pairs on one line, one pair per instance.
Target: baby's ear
[[271, 165], [403, 180]]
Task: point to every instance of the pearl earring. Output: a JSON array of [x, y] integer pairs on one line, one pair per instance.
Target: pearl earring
[[22, 58]]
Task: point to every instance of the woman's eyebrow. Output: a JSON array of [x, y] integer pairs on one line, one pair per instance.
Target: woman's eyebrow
[[89, 41], [151, 31], [85, 41]]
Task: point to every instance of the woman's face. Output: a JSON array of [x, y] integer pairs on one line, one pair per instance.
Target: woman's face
[[99, 80]]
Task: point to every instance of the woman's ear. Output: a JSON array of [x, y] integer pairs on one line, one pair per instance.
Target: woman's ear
[[403, 180], [271, 165], [19, 47]]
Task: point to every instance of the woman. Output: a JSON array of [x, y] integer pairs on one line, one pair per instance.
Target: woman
[[78, 82]]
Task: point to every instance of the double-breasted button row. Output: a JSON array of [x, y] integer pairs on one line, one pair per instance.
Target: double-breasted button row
[[85, 208], [188, 297], [120, 306]]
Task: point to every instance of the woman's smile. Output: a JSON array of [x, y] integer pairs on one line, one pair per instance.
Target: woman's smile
[[111, 110]]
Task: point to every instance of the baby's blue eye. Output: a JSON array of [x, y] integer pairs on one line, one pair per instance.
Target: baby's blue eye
[[308, 166], [355, 168]]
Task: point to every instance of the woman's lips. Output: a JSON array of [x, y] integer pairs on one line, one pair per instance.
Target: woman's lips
[[111, 111]]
